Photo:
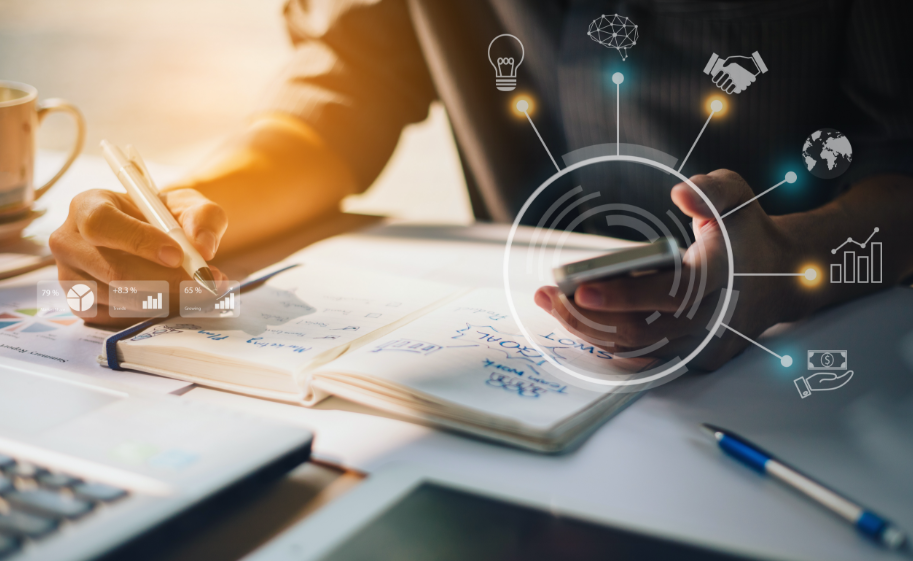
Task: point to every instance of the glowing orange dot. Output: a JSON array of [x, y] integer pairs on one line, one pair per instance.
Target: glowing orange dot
[[717, 105], [522, 104], [810, 275]]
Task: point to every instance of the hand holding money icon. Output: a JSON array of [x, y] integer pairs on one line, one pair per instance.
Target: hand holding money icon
[[824, 381]]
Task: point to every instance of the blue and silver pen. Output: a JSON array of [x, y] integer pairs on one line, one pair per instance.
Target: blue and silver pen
[[869, 523]]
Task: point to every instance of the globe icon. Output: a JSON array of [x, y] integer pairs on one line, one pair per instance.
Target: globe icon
[[827, 153]]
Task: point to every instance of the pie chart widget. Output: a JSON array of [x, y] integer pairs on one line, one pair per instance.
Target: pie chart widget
[[80, 298]]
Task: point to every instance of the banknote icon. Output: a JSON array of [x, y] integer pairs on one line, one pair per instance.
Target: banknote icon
[[827, 360]]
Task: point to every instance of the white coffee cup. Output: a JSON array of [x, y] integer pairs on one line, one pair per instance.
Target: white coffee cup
[[20, 116]]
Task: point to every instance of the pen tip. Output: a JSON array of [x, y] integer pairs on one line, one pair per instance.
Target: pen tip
[[204, 276], [894, 537], [712, 430]]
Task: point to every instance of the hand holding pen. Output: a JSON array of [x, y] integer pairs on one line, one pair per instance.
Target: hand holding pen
[[106, 237]]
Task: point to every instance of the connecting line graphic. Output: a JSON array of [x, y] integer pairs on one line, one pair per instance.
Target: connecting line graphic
[[715, 106], [618, 78], [768, 274], [790, 178], [851, 240], [523, 107], [809, 273], [785, 360]]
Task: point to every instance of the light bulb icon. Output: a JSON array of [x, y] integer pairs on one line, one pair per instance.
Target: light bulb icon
[[505, 66]]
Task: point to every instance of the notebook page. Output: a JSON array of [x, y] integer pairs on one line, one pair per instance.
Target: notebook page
[[297, 315], [470, 352]]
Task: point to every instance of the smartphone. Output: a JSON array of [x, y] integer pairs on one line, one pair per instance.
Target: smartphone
[[633, 261]]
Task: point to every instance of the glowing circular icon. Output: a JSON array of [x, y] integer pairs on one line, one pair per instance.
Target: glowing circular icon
[[786, 361], [618, 77], [80, 298], [651, 376], [716, 106], [791, 177], [810, 274], [522, 106], [827, 153]]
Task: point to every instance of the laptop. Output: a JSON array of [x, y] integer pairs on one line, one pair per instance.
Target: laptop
[[91, 469]]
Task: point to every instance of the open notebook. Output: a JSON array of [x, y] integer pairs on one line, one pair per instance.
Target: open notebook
[[419, 350]]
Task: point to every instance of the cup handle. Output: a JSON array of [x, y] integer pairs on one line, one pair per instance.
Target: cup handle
[[47, 107]]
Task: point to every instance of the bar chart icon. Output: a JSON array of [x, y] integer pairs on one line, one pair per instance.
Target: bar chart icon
[[227, 303], [864, 267], [153, 303]]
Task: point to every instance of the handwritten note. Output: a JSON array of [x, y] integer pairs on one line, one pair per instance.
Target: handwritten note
[[471, 352], [298, 315]]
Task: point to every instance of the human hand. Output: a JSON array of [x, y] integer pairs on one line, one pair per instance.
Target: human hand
[[736, 73], [821, 382], [105, 238], [626, 302]]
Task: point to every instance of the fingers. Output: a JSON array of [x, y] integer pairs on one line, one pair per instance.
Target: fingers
[[620, 330], [106, 265], [108, 219], [724, 189], [203, 221]]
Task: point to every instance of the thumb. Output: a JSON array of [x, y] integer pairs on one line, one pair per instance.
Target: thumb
[[723, 189], [203, 221]]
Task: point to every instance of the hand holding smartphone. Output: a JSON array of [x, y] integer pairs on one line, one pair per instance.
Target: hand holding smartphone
[[634, 261]]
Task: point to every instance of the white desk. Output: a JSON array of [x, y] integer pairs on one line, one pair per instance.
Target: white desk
[[651, 464]]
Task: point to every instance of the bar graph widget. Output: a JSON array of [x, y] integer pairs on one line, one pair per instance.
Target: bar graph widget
[[227, 303], [858, 266], [138, 299], [153, 303], [198, 303]]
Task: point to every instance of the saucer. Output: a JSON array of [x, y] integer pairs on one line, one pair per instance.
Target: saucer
[[12, 231]]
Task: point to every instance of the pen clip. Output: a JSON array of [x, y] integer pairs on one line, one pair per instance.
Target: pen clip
[[137, 160]]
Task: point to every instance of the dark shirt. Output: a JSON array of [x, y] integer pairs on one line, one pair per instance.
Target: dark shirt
[[363, 69]]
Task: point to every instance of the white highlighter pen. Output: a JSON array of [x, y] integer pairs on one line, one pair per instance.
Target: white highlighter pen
[[132, 174]]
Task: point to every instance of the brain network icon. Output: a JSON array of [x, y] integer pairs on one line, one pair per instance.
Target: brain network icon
[[614, 32]]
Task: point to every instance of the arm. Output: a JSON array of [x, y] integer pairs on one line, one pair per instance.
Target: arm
[[276, 175], [356, 78]]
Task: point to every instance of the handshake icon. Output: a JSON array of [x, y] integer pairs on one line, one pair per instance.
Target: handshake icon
[[736, 73]]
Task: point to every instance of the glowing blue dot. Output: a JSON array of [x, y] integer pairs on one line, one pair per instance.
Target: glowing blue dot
[[618, 77], [786, 361], [791, 177]]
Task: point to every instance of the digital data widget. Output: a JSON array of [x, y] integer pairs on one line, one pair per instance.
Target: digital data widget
[[62, 297], [138, 299], [196, 302]]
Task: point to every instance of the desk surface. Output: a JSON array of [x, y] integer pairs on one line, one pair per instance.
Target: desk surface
[[649, 464]]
